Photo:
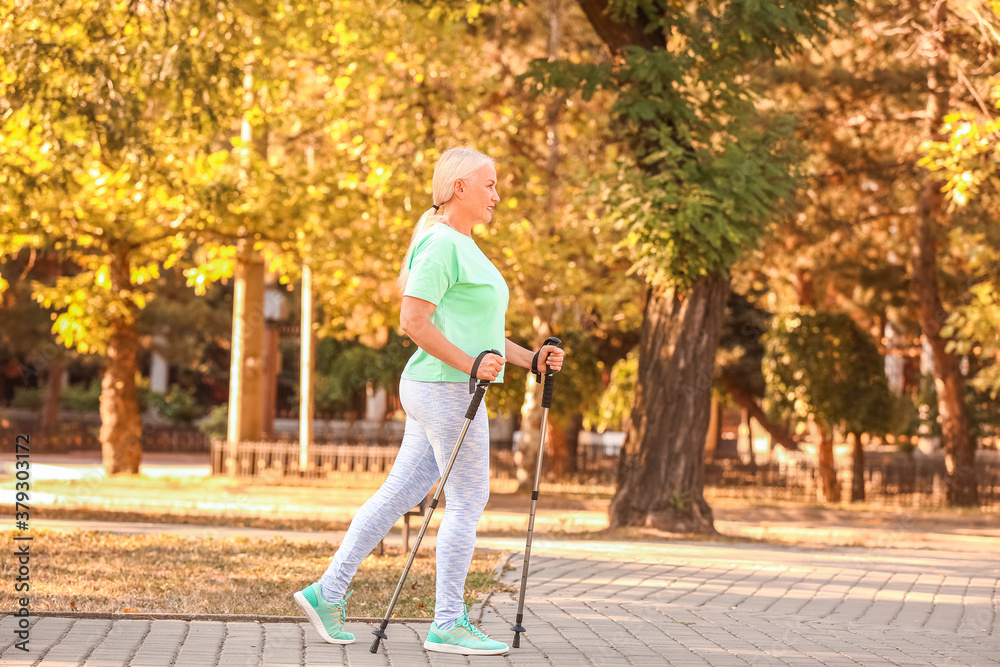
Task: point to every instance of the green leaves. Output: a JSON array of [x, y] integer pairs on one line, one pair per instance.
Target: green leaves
[[549, 76], [689, 217], [117, 128], [121, 151], [973, 327], [821, 366], [969, 161], [710, 170]]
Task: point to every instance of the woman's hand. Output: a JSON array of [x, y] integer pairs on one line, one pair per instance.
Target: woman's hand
[[489, 367], [550, 356]]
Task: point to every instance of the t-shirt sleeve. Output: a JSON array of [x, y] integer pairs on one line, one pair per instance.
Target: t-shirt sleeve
[[431, 273]]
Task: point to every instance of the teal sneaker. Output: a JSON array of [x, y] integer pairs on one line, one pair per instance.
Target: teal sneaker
[[463, 638], [328, 618]]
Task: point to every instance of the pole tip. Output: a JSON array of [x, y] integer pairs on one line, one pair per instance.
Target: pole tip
[[379, 636], [518, 629]]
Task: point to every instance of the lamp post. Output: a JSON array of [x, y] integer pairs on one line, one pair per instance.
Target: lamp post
[[275, 312]]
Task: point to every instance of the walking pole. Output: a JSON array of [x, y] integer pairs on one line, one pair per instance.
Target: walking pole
[[546, 404], [480, 390]]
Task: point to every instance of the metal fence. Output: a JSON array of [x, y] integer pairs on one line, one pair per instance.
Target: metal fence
[[342, 432], [892, 480], [593, 467], [283, 459], [155, 438]]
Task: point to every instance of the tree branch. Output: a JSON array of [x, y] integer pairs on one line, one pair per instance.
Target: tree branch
[[208, 232], [619, 35], [777, 432]]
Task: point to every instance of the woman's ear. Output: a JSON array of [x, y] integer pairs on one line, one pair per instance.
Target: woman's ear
[[459, 187]]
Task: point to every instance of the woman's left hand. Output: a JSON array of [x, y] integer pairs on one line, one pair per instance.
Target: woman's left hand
[[550, 356]]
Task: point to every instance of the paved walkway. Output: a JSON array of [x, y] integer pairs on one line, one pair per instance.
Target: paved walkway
[[604, 603]]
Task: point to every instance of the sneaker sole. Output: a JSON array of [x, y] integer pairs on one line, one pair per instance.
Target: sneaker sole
[[314, 618], [461, 650]]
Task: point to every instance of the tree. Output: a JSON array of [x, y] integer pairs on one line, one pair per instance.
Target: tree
[[28, 351], [191, 333], [862, 101], [710, 170], [949, 382], [90, 171], [822, 369], [118, 156], [967, 163]]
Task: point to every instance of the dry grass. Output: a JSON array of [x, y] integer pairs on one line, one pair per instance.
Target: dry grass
[[90, 571], [192, 518]]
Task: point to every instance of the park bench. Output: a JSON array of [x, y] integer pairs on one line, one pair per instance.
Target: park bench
[[419, 510]]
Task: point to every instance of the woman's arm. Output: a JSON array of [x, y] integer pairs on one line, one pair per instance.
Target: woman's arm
[[520, 356], [517, 355], [415, 319]]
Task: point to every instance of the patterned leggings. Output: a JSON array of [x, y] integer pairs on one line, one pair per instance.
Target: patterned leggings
[[435, 414]]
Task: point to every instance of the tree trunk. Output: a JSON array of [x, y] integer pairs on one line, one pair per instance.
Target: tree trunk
[[246, 368], [950, 385], [714, 428], [556, 453], [858, 471], [573, 443], [50, 408], [121, 427], [661, 473], [828, 490]]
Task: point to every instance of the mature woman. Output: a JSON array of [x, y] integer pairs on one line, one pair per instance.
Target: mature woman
[[453, 308]]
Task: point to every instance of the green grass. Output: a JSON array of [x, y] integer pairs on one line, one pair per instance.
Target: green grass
[[220, 501], [104, 572]]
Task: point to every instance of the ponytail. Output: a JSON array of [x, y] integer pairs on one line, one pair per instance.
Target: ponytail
[[430, 217]]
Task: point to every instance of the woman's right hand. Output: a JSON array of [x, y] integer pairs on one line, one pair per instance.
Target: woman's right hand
[[489, 367]]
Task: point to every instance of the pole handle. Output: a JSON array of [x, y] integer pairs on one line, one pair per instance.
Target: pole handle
[[549, 377], [551, 340], [473, 381], [477, 387], [547, 390]]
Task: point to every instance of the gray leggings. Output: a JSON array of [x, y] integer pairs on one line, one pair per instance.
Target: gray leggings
[[435, 414]]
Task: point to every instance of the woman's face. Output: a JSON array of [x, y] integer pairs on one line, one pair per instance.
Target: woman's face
[[479, 193]]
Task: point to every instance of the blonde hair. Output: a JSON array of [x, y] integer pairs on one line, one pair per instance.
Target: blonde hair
[[453, 165]]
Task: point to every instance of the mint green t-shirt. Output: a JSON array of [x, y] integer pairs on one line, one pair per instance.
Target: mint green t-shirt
[[448, 269]]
